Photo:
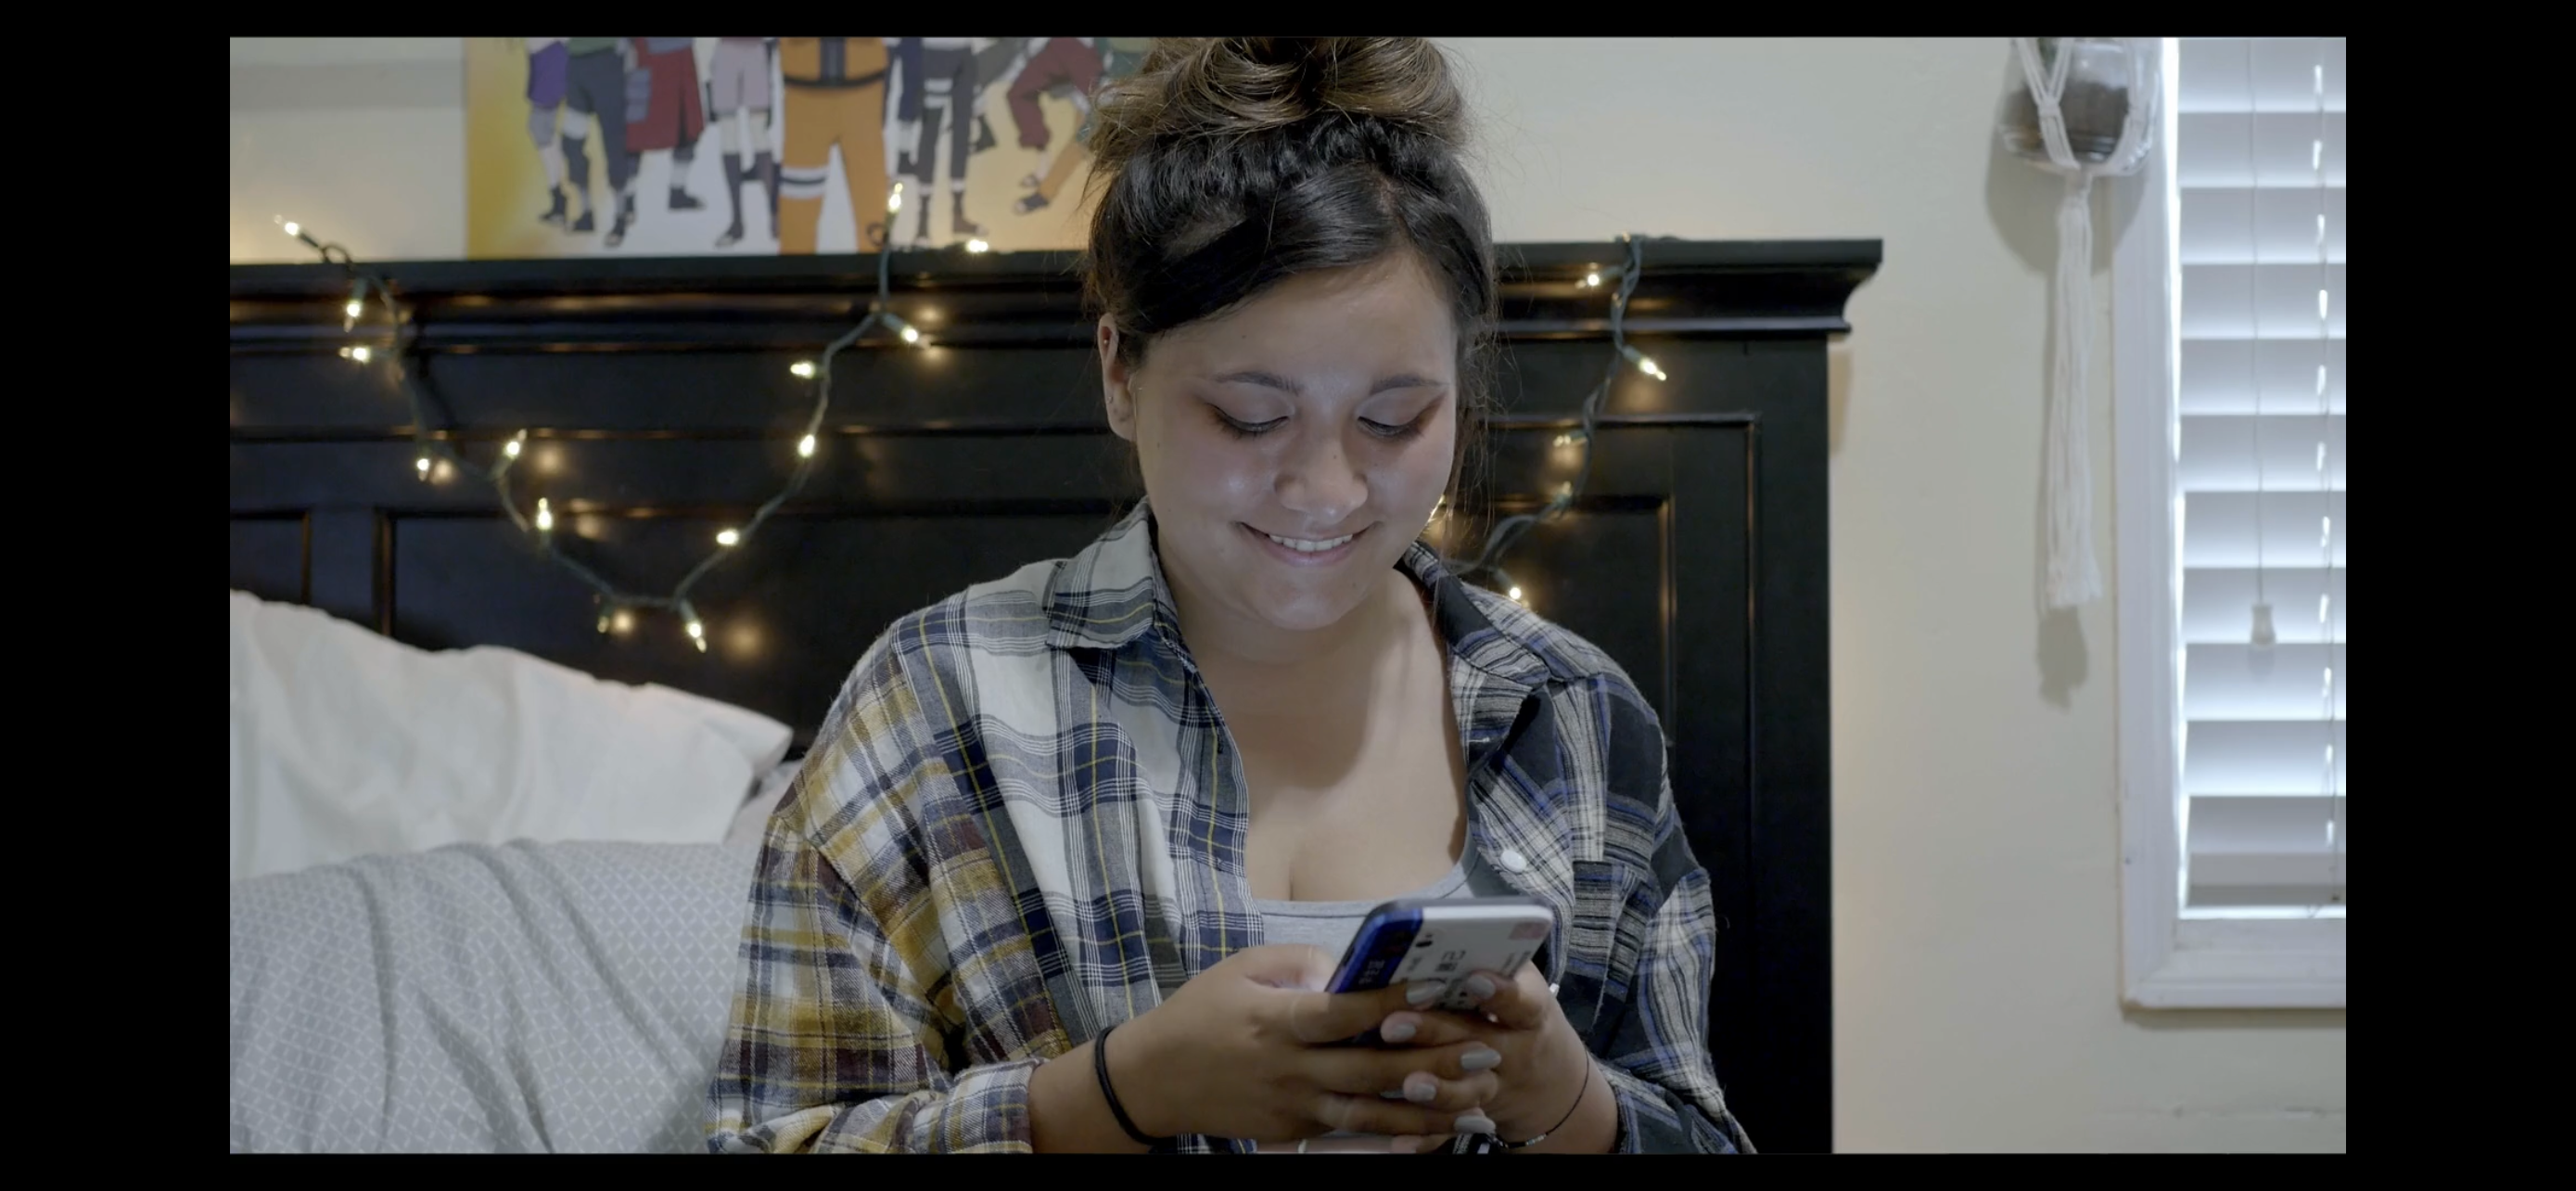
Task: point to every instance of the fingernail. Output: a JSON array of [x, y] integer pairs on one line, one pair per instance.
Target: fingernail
[[1479, 1059], [1397, 1031], [1404, 1145], [1423, 993], [1475, 1123], [1420, 1088], [1480, 987]]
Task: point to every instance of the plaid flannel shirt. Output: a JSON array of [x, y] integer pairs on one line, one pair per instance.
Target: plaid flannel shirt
[[1024, 821]]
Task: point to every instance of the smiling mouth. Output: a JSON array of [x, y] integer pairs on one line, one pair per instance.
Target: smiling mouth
[[1311, 545], [1307, 549]]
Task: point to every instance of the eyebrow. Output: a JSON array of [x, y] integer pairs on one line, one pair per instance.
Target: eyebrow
[[1272, 380]]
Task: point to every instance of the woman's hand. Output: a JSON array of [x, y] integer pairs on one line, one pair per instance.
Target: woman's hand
[[1545, 1067], [1244, 1051]]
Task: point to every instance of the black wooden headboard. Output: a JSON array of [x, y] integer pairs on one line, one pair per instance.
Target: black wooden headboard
[[659, 407]]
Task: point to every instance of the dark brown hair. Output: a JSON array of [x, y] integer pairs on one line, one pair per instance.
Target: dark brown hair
[[1224, 166]]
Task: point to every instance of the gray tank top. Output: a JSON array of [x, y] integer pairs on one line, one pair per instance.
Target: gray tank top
[[1330, 925]]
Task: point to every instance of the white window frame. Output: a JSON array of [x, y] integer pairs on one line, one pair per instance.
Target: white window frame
[[2168, 961]]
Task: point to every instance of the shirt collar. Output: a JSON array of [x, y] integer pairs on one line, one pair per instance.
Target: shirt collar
[[1113, 592]]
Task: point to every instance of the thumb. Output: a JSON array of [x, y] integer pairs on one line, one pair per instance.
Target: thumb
[[1320, 1017], [1287, 965]]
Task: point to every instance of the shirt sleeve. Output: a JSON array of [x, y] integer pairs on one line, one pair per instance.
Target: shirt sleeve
[[835, 1040], [1658, 1061]]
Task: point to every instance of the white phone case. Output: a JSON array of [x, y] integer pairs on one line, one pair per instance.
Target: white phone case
[[1460, 938]]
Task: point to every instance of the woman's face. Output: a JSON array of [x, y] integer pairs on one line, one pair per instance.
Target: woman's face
[[1294, 447]]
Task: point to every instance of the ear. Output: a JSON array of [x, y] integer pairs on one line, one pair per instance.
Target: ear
[[1114, 378]]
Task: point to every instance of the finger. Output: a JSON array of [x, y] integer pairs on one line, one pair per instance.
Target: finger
[[1450, 1095], [1369, 1070], [1288, 965], [1395, 1118], [1318, 1017], [1416, 1144], [1514, 1004], [1418, 1029]]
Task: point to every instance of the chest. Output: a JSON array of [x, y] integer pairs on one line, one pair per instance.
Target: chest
[[1354, 799]]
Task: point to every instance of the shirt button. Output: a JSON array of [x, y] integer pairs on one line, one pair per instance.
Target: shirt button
[[1512, 860]]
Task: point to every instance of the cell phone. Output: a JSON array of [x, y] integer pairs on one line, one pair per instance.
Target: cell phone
[[1444, 939]]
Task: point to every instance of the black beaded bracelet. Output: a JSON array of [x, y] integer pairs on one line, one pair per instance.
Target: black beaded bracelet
[[1100, 1067]]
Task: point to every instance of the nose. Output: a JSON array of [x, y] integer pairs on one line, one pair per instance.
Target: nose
[[1318, 483]]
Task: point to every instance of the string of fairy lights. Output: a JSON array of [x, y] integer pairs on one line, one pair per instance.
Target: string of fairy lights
[[1508, 531], [367, 287], [394, 336]]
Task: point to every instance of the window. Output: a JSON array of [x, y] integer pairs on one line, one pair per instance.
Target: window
[[2228, 341]]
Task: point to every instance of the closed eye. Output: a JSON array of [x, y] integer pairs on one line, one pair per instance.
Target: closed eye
[[1244, 429]]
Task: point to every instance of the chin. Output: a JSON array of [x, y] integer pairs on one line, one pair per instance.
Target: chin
[[1305, 612]]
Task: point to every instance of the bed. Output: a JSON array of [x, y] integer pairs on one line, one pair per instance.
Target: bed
[[564, 991]]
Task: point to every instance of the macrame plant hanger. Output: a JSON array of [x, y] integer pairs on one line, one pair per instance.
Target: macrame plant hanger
[[2073, 577]]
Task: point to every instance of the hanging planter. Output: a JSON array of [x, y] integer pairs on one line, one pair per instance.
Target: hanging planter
[[2083, 108]]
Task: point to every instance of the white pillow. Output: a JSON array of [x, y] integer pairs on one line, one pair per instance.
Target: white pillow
[[751, 823], [345, 743]]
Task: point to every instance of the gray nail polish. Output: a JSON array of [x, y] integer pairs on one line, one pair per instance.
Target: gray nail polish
[[1479, 987], [1479, 1059], [1422, 993], [1475, 1123], [1421, 1093], [1399, 1032]]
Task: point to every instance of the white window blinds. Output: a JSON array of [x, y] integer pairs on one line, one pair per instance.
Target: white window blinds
[[2258, 142]]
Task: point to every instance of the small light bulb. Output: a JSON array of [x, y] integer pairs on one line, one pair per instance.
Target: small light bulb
[[729, 537], [292, 228], [512, 447], [545, 517], [804, 369], [1592, 278], [421, 464], [1646, 364], [353, 308], [894, 199], [1515, 593], [978, 245], [911, 336], [359, 354], [603, 622], [698, 634], [805, 447], [623, 621]]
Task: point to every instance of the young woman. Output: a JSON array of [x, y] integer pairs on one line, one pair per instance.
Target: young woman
[[1075, 849]]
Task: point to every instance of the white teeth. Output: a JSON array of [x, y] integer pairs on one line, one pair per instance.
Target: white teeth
[[1303, 546]]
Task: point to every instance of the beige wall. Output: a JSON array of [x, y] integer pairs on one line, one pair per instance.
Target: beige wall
[[1976, 887]]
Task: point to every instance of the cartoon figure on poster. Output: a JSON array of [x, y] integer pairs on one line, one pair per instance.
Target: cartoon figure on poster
[[937, 80], [546, 66], [738, 94], [595, 96], [662, 114], [836, 99], [1071, 68]]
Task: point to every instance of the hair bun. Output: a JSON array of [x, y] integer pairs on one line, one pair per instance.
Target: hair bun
[[1235, 86]]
